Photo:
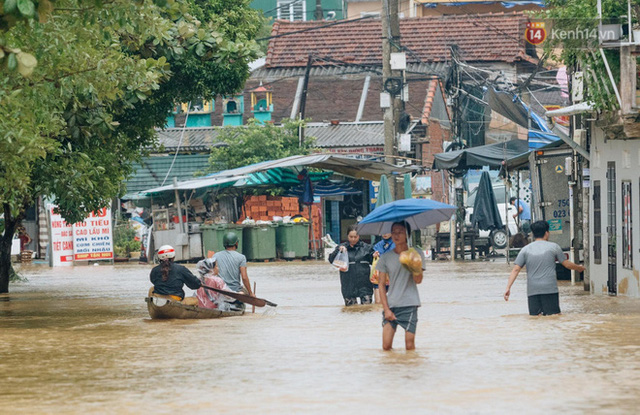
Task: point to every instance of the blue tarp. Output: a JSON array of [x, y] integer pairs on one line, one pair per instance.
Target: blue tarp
[[511, 106], [538, 139]]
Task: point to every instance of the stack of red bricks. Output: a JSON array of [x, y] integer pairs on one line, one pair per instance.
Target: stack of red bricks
[[315, 214], [266, 207]]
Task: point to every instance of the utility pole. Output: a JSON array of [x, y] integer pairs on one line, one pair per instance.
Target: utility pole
[[318, 15], [391, 43], [303, 99]]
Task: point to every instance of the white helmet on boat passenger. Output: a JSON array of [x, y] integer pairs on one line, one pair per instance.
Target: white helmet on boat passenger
[[166, 252]]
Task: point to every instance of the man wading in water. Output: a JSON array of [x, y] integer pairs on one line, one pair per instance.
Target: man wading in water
[[540, 258], [401, 305]]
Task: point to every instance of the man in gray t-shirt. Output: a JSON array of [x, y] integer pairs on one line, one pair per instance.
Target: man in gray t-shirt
[[540, 259], [401, 304], [233, 265]]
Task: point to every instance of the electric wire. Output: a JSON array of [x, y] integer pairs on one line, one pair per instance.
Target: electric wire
[[184, 127]]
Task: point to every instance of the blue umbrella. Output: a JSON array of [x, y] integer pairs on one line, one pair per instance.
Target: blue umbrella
[[418, 213]]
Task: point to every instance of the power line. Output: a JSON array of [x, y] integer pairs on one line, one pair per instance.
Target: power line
[[339, 22], [282, 6]]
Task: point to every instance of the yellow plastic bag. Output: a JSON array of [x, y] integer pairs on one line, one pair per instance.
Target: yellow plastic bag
[[373, 275], [411, 260]]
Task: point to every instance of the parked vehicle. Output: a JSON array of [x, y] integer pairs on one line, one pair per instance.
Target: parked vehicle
[[498, 237], [550, 184]]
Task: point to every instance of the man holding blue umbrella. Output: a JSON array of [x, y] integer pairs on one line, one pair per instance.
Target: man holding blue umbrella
[[402, 302]]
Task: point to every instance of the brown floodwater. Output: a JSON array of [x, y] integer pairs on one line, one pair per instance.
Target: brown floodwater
[[80, 340]]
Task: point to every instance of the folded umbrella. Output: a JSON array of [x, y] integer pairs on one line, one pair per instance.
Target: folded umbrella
[[486, 215]]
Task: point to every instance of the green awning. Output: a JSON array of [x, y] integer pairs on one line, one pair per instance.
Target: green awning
[[281, 177]]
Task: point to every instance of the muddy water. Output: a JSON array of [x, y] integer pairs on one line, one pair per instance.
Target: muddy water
[[80, 341]]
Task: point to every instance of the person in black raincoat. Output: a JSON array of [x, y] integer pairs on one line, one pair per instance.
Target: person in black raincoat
[[355, 281]]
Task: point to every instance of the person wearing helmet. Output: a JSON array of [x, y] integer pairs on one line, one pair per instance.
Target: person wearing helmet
[[169, 278], [233, 266]]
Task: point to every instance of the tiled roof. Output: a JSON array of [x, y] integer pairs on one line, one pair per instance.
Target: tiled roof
[[151, 172], [480, 38], [435, 94]]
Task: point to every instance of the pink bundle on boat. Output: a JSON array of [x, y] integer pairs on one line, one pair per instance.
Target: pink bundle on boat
[[208, 270], [212, 299]]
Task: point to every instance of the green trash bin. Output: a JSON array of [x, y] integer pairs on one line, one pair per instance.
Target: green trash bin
[[260, 242], [212, 236], [292, 240]]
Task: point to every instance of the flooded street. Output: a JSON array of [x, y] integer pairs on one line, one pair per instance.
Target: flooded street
[[80, 340]]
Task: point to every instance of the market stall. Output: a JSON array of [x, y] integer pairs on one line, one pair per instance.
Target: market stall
[[181, 209]]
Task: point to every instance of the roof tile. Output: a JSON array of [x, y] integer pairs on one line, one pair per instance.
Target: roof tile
[[480, 38]]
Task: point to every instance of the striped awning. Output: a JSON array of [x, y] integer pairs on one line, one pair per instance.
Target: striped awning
[[325, 188], [279, 177]]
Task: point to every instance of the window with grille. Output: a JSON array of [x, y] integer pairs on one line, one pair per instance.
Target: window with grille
[[291, 10], [597, 223]]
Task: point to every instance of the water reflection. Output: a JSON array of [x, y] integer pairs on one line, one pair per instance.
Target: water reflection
[[80, 341]]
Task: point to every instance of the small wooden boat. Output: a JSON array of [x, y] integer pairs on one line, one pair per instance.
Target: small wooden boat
[[162, 308]]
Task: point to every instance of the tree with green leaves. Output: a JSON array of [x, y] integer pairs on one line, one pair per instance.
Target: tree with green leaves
[[579, 20], [84, 83], [256, 142]]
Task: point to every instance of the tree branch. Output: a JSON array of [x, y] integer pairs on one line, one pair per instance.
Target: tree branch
[[52, 80]]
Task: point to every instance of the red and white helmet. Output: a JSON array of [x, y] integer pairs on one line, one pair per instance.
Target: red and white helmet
[[166, 252]]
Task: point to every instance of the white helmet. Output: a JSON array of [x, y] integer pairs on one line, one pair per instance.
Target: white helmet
[[166, 252]]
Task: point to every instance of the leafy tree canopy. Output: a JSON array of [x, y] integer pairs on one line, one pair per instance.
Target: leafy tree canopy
[[84, 83], [579, 20], [255, 142]]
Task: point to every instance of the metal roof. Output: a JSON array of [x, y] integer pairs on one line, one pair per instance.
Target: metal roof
[[345, 165], [193, 139], [268, 74], [348, 134], [151, 171], [344, 134]]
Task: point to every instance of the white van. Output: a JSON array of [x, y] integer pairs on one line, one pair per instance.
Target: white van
[[498, 237]]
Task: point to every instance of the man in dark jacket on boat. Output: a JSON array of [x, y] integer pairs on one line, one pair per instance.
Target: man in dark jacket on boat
[[168, 278]]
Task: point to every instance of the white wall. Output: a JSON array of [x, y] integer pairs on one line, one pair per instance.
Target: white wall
[[626, 155]]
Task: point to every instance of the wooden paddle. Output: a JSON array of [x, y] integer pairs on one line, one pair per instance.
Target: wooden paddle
[[258, 302]]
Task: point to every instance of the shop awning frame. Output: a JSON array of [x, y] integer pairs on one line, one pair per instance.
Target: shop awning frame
[[357, 168]]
